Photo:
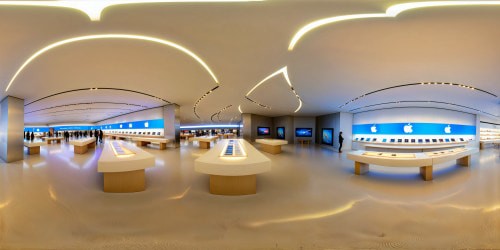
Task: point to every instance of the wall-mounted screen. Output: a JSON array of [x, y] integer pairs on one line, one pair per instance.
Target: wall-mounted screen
[[280, 133], [263, 131], [327, 136], [303, 132]]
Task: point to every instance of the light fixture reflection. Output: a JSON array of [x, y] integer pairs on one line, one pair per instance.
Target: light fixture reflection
[[392, 11], [4, 204], [180, 196], [93, 8], [112, 36]]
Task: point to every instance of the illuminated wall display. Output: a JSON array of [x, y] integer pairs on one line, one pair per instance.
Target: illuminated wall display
[[413, 129], [147, 124]]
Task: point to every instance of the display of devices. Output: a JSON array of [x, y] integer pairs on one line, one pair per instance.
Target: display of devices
[[393, 140], [384, 140], [461, 139], [407, 140], [357, 139], [452, 139], [420, 141], [434, 140], [303, 132], [374, 139], [427, 140], [263, 131], [367, 139], [412, 140], [400, 140], [447, 140], [441, 140], [362, 138]]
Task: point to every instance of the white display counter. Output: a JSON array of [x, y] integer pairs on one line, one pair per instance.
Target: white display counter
[[52, 139], [425, 161], [123, 167], [81, 146], [144, 141], [272, 146], [204, 141], [233, 169], [34, 146], [408, 147]]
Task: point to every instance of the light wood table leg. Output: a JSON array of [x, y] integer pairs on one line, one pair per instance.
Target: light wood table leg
[[233, 185], [361, 168], [163, 146], [272, 149], [125, 182], [33, 150], [80, 149], [204, 144], [426, 173], [141, 143], [91, 145], [464, 161]]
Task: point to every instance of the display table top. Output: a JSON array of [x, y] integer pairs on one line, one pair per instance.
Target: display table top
[[150, 139], [272, 142], [123, 157], [30, 144], [204, 138], [214, 164], [82, 142]]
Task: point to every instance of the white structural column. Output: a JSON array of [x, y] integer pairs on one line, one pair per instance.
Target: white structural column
[[172, 124], [11, 129]]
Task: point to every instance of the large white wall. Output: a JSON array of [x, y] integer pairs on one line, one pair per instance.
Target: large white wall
[[414, 115]]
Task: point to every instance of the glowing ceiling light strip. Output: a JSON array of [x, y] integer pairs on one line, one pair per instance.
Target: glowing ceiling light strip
[[392, 11], [239, 109], [112, 36], [93, 9], [283, 71]]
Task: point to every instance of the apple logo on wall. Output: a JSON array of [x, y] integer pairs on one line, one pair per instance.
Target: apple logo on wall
[[121, 126], [146, 124], [37, 130], [408, 128], [374, 129], [447, 129], [130, 125]]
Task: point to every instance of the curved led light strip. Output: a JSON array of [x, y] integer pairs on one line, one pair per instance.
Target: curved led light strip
[[195, 106], [218, 113], [86, 103], [438, 102], [112, 36], [416, 84], [239, 109], [93, 9], [283, 71], [392, 11]]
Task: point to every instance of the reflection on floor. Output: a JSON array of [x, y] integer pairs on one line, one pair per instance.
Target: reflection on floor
[[310, 200]]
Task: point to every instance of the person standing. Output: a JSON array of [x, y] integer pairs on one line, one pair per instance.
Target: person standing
[[341, 140], [32, 137], [100, 136], [96, 137]]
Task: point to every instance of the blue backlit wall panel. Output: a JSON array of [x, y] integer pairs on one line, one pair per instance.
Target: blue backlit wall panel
[[413, 129]]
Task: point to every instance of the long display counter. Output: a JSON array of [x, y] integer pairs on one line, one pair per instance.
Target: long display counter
[[123, 167], [272, 146], [81, 146], [204, 141], [34, 146], [409, 147], [233, 165], [425, 161]]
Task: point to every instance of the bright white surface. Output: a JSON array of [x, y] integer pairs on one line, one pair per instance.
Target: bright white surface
[[412, 145], [108, 162], [204, 138], [30, 144], [149, 139], [211, 162], [421, 159], [82, 142], [272, 142], [52, 138]]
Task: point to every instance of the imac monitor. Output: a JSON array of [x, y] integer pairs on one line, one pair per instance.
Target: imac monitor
[[400, 140], [434, 140], [412, 140], [427, 140], [374, 139], [393, 140], [407, 140], [461, 139], [280, 133], [440, 140], [367, 139], [447, 140], [362, 139], [357, 138], [327, 136], [420, 140], [263, 131], [452, 139], [384, 140], [303, 132]]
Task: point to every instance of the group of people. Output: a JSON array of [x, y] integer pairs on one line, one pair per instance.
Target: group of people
[[70, 134]]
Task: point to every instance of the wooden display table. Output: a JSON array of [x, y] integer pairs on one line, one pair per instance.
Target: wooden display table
[[272, 146], [187, 136], [304, 141], [144, 141], [123, 167], [425, 161], [34, 147], [81, 146], [204, 141], [52, 139], [233, 166]]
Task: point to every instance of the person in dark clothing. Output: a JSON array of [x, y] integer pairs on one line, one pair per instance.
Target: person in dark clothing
[[91, 135], [101, 134], [341, 140], [96, 134], [32, 137]]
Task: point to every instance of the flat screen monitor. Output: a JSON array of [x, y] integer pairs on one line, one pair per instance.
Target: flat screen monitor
[[452, 139], [407, 140], [374, 139], [263, 131], [400, 140], [280, 133], [303, 132], [447, 140], [420, 140], [461, 139], [357, 139], [327, 136], [367, 139], [393, 140], [427, 140], [412, 140], [441, 140], [384, 140], [362, 139], [434, 140]]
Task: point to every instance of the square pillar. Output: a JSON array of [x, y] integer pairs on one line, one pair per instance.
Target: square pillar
[[172, 124], [11, 129]]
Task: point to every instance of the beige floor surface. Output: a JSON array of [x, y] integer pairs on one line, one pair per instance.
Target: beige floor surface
[[310, 200]]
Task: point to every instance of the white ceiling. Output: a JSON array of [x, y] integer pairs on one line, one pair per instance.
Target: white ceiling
[[243, 43]]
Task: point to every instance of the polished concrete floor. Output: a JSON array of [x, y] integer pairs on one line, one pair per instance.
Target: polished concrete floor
[[310, 200]]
